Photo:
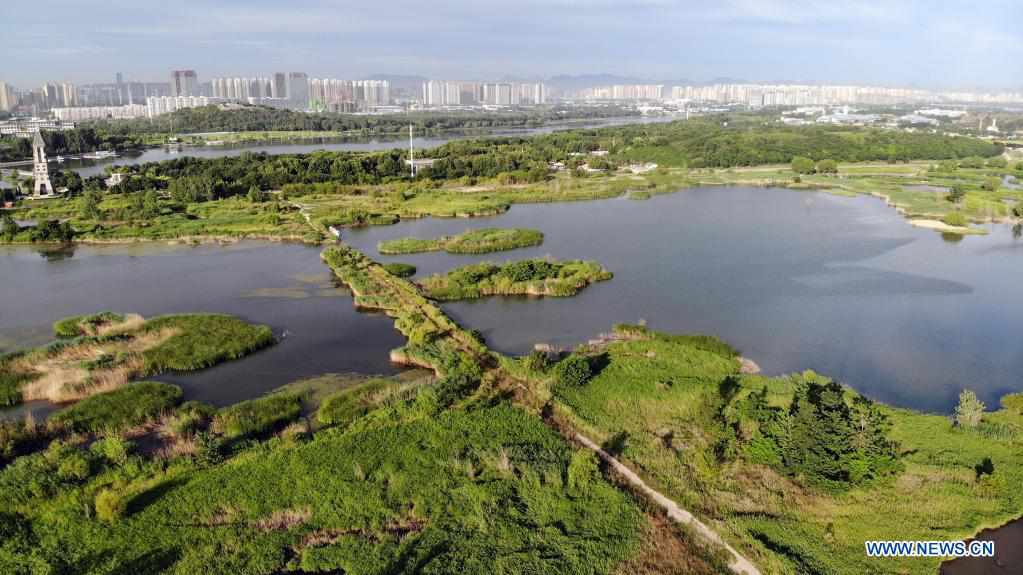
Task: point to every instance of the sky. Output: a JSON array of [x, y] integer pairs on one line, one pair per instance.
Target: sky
[[936, 44]]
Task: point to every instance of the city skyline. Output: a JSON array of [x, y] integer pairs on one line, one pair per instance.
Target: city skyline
[[909, 44]]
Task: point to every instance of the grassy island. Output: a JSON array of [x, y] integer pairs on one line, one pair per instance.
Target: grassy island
[[482, 241], [104, 351], [535, 277]]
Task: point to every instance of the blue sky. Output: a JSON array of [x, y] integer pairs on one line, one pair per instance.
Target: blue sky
[[930, 44]]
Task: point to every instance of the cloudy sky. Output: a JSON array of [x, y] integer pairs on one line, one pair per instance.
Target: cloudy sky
[[919, 43]]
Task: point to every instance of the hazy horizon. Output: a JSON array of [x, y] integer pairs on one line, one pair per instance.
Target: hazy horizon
[[912, 44]]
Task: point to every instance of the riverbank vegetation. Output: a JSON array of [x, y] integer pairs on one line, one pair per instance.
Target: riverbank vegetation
[[534, 277], [299, 196], [105, 351], [480, 241], [797, 469], [263, 119]]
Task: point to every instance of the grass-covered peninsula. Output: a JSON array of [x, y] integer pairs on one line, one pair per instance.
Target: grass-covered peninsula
[[534, 277], [481, 241], [104, 351]]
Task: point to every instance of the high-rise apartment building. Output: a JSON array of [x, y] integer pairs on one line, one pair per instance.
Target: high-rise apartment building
[[184, 83], [298, 91], [279, 85], [6, 98]]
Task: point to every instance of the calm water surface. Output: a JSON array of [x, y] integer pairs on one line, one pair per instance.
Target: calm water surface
[[795, 280], [281, 285]]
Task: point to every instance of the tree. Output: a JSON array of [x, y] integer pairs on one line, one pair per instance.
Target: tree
[[574, 371], [827, 167], [256, 195], [956, 194], [89, 206], [970, 410], [150, 205], [998, 162], [801, 165], [991, 184]]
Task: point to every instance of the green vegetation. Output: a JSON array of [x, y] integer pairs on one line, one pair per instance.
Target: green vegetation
[[347, 405], [708, 437], [89, 324], [536, 277], [955, 219], [401, 270], [258, 417], [199, 341], [481, 241], [104, 351], [121, 408], [260, 119]]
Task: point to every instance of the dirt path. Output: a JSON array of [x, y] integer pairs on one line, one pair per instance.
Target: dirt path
[[739, 564]]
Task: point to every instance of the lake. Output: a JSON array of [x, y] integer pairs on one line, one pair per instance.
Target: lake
[[795, 280]]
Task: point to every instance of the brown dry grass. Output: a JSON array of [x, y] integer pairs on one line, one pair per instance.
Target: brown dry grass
[[62, 377], [284, 519], [668, 550]]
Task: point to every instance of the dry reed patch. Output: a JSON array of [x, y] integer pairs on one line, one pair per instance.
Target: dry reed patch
[[284, 519], [62, 377], [667, 549]]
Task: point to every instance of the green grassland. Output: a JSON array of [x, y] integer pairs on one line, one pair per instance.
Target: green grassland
[[481, 241], [535, 277], [405, 489], [656, 401]]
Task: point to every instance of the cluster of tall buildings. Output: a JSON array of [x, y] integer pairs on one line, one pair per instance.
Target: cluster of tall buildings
[[333, 95], [281, 90], [455, 93], [757, 95]]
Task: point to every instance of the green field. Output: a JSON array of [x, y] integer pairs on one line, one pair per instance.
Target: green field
[[535, 277], [481, 241]]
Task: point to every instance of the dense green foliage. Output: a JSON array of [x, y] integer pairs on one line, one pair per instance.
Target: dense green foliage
[[258, 417], [256, 118], [67, 142], [202, 340], [121, 408], [399, 269], [574, 370], [525, 277], [480, 241], [824, 437]]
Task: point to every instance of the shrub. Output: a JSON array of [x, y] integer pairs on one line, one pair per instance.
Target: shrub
[[401, 270], [827, 167], [538, 361], [956, 194], [121, 408], [970, 410], [258, 416], [109, 506], [574, 371], [955, 219], [114, 449], [1013, 402], [801, 165], [985, 467]]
